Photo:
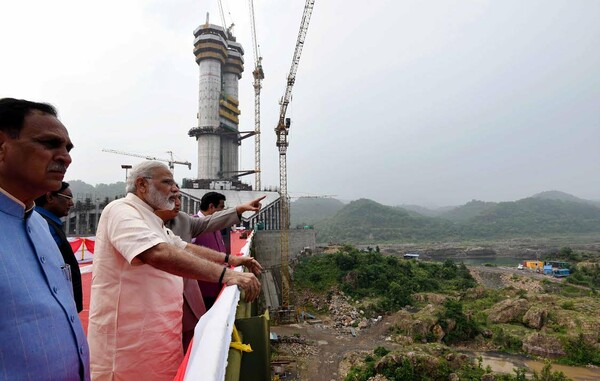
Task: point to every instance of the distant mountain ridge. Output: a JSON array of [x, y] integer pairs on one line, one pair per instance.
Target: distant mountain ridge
[[363, 220], [562, 196], [542, 214], [308, 211], [82, 190]]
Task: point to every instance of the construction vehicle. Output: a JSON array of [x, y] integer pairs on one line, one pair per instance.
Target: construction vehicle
[[170, 161], [286, 313], [561, 273]]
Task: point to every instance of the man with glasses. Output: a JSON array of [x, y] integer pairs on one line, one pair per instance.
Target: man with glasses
[[53, 206], [137, 290], [187, 227], [41, 337]]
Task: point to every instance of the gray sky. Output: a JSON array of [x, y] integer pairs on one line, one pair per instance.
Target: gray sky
[[422, 102]]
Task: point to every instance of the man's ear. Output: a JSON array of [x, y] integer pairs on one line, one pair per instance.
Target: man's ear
[[50, 197], [3, 144], [141, 184]]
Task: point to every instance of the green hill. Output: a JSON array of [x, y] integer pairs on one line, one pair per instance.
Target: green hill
[[562, 196], [468, 211], [82, 190], [424, 211], [309, 211], [365, 221], [533, 216]]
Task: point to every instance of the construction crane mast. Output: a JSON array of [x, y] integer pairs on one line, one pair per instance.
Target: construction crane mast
[[258, 75], [170, 161], [282, 131]]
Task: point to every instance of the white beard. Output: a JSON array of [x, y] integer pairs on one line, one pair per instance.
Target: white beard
[[158, 201]]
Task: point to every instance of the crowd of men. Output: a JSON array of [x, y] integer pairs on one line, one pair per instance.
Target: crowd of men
[[144, 255]]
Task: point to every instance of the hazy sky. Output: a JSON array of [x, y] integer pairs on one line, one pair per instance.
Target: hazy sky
[[421, 102]]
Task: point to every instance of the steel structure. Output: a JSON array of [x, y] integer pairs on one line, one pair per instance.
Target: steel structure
[[170, 161], [282, 131], [258, 75]]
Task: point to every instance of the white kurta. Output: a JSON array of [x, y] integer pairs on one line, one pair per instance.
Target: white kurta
[[134, 328]]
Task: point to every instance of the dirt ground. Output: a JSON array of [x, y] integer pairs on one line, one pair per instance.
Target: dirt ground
[[328, 347]]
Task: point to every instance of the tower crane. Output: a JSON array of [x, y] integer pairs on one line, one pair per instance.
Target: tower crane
[[282, 131], [170, 161], [258, 75], [225, 28]]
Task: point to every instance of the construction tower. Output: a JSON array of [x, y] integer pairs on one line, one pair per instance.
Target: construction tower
[[221, 63]]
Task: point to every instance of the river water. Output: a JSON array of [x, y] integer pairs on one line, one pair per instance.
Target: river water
[[498, 261], [505, 363]]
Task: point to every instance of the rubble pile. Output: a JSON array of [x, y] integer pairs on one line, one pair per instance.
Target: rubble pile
[[292, 339], [342, 316], [297, 349], [345, 317]]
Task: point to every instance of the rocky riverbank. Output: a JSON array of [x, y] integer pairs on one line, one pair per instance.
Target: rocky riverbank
[[522, 312]]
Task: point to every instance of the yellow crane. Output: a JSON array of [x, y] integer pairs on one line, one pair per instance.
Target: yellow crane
[[258, 75], [282, 131], [170, 161]]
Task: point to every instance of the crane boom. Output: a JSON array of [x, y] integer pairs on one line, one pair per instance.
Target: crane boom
[[222, 15], [258, 75], [308, 8], [282, 131], [170, 161]]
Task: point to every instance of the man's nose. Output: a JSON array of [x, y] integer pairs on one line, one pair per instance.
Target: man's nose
[[63, 156]]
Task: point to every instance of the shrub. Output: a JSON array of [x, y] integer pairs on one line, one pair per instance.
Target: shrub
[[567, 305], [506, 341], [580, 352], [380, 351], [465, 329], [373, 275]]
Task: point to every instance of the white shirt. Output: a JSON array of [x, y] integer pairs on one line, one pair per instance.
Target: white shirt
[[134, 328]]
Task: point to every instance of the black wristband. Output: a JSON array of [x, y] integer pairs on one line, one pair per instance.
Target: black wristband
[[226, 261], [222, 275]]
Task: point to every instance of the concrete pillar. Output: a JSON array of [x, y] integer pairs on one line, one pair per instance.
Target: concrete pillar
[[210, 49], [232, 72]]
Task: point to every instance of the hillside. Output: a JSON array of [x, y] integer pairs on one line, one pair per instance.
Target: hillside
[[469, 210], [423, 211], [366, 221], [534, 216], [82, 190], [562, 196], [309, 211]]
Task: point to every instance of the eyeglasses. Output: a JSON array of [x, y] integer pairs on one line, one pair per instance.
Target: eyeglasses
[[64, 196]]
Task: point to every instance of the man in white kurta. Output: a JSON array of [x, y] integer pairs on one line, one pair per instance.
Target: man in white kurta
[[134, 328], [147, 299]]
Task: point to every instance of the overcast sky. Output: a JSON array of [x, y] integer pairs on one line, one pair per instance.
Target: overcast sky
[[404, 102]]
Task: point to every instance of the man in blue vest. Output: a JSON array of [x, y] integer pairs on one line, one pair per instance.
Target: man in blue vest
[[41, 337]]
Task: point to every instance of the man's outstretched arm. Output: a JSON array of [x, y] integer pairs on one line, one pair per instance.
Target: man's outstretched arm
[[179, 262]]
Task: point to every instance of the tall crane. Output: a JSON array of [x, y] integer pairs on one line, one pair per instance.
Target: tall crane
[[282, 131], [228, 31], [258, 75], [147, 157]]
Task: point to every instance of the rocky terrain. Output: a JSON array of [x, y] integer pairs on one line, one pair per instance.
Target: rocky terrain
[[324, 348]]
